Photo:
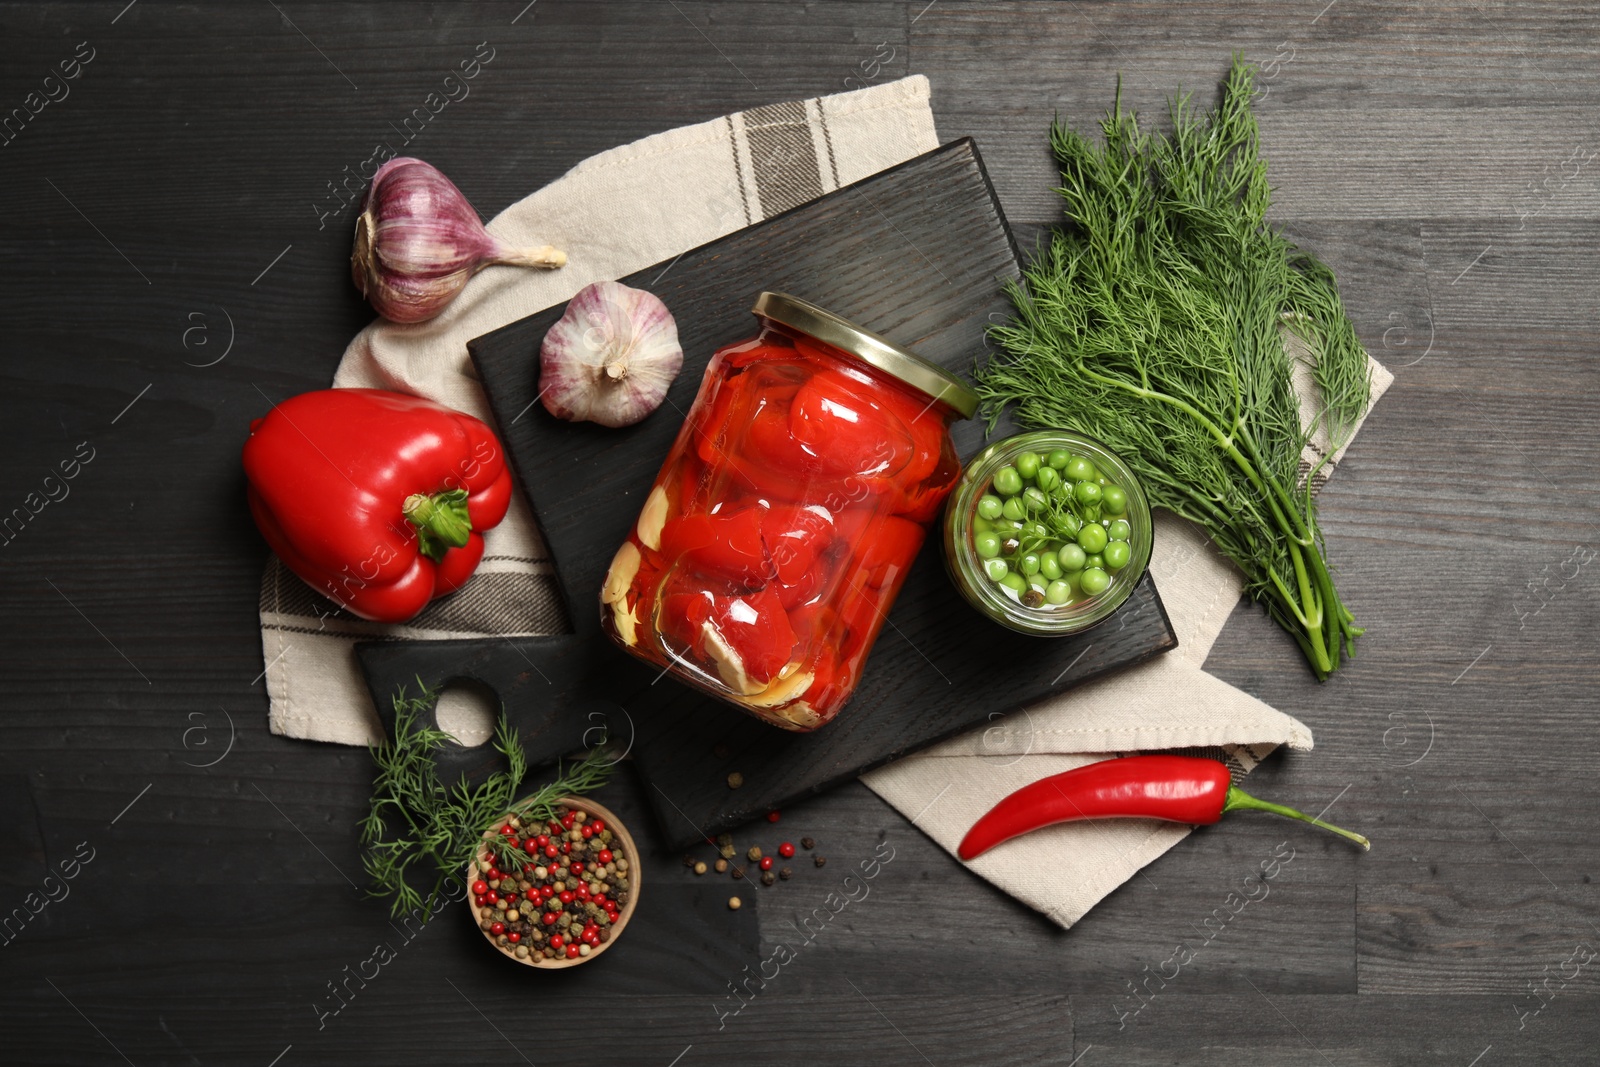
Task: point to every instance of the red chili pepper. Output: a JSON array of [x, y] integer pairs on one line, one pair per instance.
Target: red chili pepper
[[1186, 789], [377, 500]]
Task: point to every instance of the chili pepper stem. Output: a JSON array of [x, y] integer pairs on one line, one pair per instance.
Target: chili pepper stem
[[441, 520], [1238, 798]]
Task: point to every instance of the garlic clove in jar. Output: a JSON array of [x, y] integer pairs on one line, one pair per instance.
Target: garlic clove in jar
[[418, 241], [611, 356]]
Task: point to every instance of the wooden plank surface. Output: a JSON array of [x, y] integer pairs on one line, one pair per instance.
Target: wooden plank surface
[[1402, 137]]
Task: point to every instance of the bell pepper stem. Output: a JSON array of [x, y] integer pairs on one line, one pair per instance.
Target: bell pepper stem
[[1238, 798], [441, 520]]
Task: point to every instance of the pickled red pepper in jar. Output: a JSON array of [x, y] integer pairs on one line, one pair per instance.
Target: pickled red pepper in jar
[[785, 518]]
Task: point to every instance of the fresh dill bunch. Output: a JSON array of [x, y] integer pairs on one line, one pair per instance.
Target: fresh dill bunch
[[1154, 321], [417, 827]]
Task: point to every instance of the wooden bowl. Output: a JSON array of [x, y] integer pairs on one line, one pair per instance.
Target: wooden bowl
[[630, 851]]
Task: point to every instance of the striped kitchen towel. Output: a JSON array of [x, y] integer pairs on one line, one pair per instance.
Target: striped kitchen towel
[[645, 203]]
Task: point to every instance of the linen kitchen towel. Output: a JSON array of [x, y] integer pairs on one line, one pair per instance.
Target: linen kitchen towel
[[644, 203]]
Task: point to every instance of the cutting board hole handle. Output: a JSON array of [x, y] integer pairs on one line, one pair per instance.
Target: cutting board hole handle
[[467, 710]]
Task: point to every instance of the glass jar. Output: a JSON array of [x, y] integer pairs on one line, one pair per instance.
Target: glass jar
[[785, 518], [1033, 549]]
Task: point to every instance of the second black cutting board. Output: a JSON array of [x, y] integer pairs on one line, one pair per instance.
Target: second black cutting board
[[916, 253]]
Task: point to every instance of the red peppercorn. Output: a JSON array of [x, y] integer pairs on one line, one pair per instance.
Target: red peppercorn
[[513, 937], [513, 842], [598, 824], [577, 868], [606, 856], [542, 840], [566, 847], [772, 816], [766, 863], [491, 896], [511, 898], [572, 952], [567, 819], [550, 918], [552, 851], [480, 887], [556, 941], [786, 850], [494, 874], [587, 831], [497, 928], [479, 900], [567, 896], [506, 830]]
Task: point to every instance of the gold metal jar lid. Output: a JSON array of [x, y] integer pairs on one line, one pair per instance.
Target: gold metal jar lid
[[887, 356]]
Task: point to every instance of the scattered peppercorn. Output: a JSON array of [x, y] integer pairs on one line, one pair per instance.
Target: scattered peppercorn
[[738, 873], [773, 816], [786, 874], [725, 840], [786, 850], [735, 780], [734, 903], [722, 865], [700, 868], [766, 863], [753, 854], [688, 860], [767, 878], [821, 861], [808, 843], [728, 852]]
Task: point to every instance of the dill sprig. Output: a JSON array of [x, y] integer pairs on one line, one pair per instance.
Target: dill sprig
[[1153, 321], [419, 827]]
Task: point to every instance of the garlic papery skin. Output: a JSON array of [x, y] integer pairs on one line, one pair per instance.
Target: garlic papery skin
[[418, 241], [610, 357]]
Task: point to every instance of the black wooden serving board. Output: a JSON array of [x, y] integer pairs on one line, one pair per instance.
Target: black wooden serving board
[[915, 253]]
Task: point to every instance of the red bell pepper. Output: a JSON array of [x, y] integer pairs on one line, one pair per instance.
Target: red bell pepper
[[377, 500], [728, 544], [1187, 789]]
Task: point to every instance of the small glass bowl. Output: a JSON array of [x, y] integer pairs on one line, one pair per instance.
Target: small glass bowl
[[961, 524]]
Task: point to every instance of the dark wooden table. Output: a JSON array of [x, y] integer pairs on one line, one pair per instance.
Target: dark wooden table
[[165, 266]]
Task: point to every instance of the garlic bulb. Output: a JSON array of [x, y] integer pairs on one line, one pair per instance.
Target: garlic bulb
[[610, 358], [418, 240]]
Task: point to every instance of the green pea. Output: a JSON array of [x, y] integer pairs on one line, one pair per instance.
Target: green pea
[[1098, 559], [1029, 564], [1072, 558], [1059, 459], [1027, 464], [1068, 523], [987, 544], [1120, 530], [1087, 493], [1015, 582], [1058, 592], [1092, 538], [1013, 509], [1095, 581], [1080, 470], [1033, 499], [1007, 482], [1047, 479], [1050, 566], [989, 506], [1036, 529], [996, 569], [1115, 499], [1117, 554]]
